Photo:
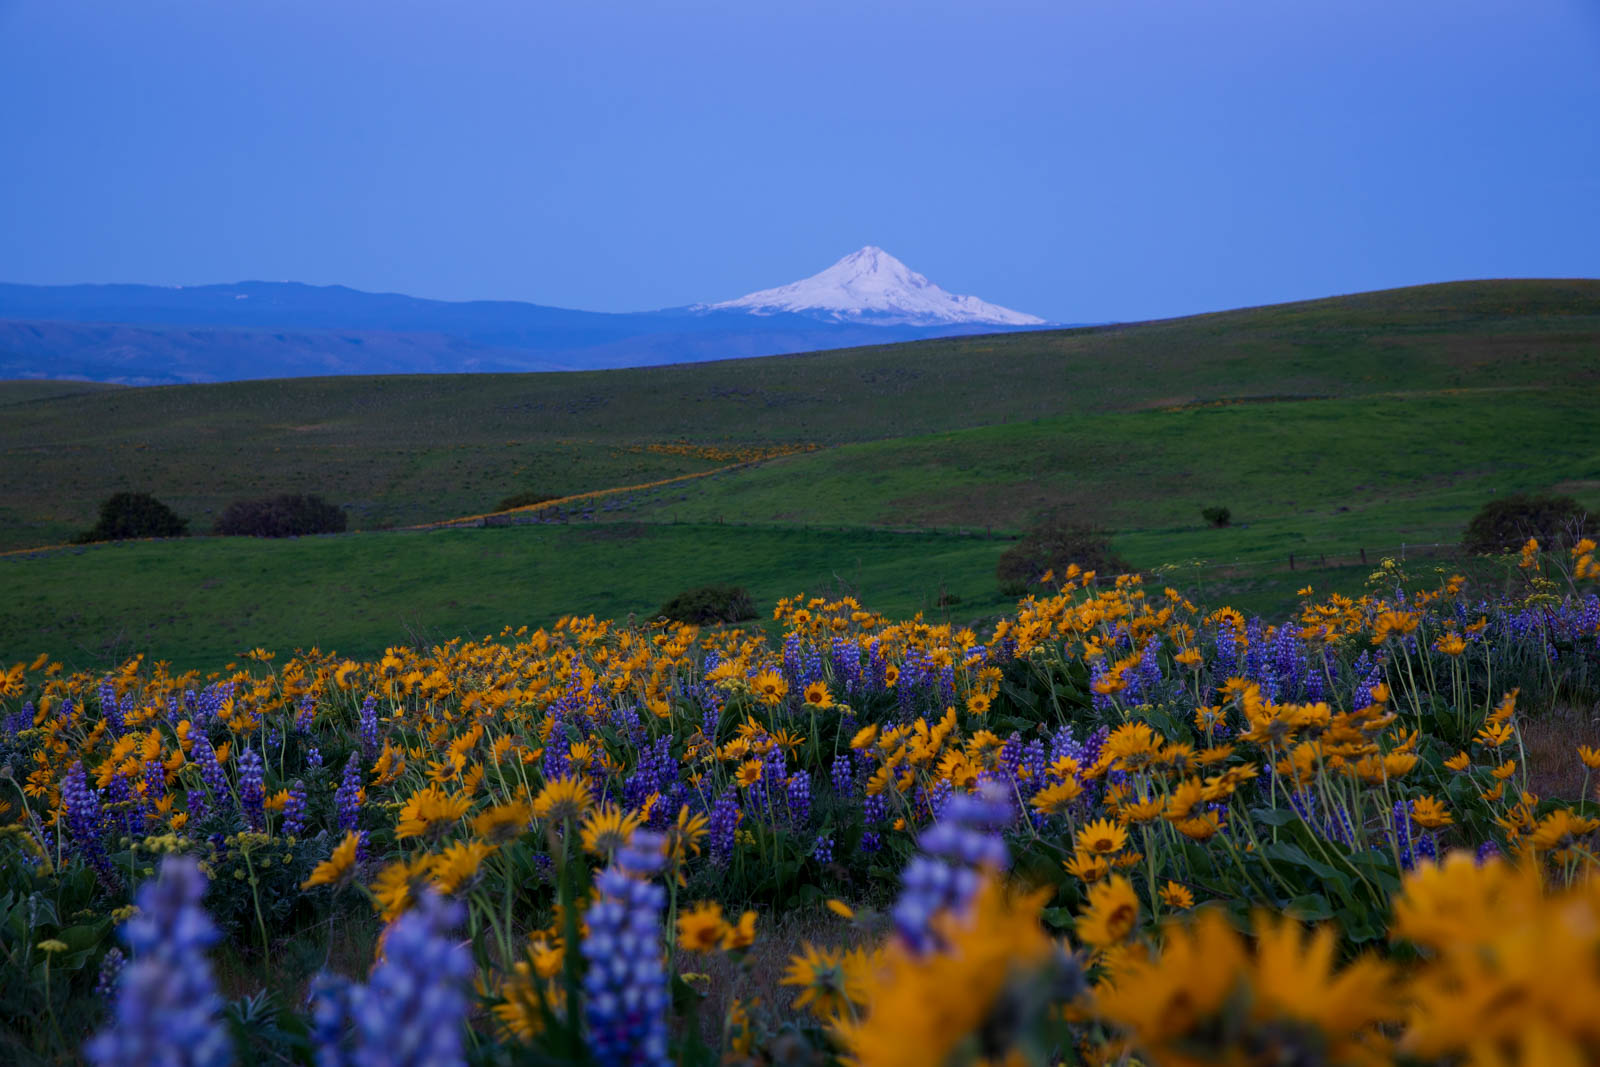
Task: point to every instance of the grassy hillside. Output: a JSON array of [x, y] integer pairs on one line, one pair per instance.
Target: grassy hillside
[[1330, 474], [1328, 428], [200, 602], [411, 449]]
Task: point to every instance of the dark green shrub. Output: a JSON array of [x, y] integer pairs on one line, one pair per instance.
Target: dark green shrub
[[1218, 517], [1054, 544], [523, 500], [129, 515], [287, 515], [710, 604], [1504, 525]]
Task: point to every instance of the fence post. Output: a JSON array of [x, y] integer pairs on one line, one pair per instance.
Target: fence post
[[1363, 557], [1291, 561]]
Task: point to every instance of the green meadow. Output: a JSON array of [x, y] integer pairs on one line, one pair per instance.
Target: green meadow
[[1334, 430]]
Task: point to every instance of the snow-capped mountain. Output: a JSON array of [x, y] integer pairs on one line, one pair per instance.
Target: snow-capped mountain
[[871, 286]]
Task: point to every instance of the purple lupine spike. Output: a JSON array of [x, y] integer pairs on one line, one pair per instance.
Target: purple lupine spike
[[822, 851], [347, 798], [842, 777], [111, 964], [211, 772], [168, 1011], [799, 798], [304, 713], [625, 984], [368, 721], [294, 810], [945, 873], [412, 1012], [723, 823], [86, 823], [252, 790]]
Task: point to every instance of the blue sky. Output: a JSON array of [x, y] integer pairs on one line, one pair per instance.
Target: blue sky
[[1078, 159]]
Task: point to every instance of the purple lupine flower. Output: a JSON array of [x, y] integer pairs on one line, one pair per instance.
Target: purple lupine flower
[[874, 810], [842, 776], [347, 798], [294, 810], [792, 669], [722, 824], [329, 1001], [313, 757], [124, 814], [822, 851], [111, 964], [412, 1011], [945, 873], [86, 824], [211, 772], [168, 1010], [1098, 672], [252, 790], [369, 726], [1226, 662], [625, 985], [799, 797], [110, 710], [304, 714]]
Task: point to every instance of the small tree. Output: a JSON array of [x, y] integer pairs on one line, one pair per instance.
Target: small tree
[[1504, 525], [1053, 544], [710, 604], [287, 515], [1218, 517], [124, 516]]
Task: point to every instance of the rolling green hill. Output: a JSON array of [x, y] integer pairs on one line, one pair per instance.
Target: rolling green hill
[[1327, 427], [417, 448]]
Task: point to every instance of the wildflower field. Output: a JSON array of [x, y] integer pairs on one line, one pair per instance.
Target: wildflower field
[[1109, 828]]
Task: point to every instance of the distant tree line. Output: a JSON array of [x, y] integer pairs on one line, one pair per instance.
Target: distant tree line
[[129, 516]]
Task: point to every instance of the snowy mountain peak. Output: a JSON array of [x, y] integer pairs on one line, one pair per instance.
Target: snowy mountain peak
[[870, 285]]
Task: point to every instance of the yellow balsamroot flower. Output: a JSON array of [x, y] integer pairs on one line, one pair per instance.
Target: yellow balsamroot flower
[[1200, 827], [458, 864], [1510, 973], [841, 909], [398, 885], [700, 929], [1054, 799], [1111, 915], [769, 687], [503, 822], [741, 934], [429, 810], [1590, 757], [1101, 838], [1171, 1007], [1560, 829], [562, 800], [1086, 867], [1428, 813], [831, 982], [1459, 762], [920, 1009], [1176, 895], [338, 868], [607, 828], [817, 695], [749, 773]]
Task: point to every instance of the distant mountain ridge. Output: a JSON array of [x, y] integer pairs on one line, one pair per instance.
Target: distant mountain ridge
[[145, 334]]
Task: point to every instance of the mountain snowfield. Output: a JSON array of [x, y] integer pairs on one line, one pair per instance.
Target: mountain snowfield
[[872, 286]]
